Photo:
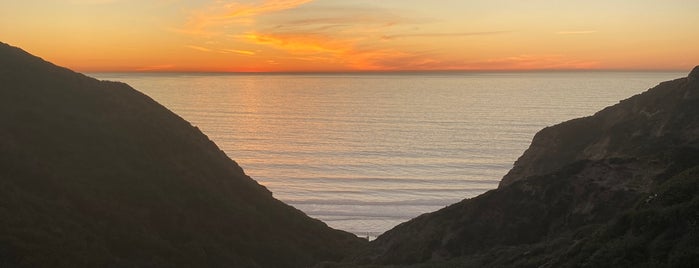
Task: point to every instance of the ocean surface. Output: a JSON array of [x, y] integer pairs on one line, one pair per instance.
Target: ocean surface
[[365, 152]]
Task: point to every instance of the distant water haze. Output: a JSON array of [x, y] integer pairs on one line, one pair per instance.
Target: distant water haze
[[365, 152]]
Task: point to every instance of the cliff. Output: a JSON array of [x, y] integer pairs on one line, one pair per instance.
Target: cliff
[[616, 189], [96, 174]]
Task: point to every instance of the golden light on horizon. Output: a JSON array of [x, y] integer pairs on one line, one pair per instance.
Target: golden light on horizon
[[332, 35]]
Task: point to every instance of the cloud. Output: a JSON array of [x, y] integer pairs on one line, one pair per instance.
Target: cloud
[[432, 35], [337, 37], [342, 36], [314, 17], [224, 51], [221, 13], [92, 2], [532, 62], [388, 59], [239, 51], [577, 32], [305, 43], [343, 53], [161, 67], [203, 49], [242, 10]]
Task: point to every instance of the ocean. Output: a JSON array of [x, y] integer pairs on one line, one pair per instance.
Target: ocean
[[365, 152]]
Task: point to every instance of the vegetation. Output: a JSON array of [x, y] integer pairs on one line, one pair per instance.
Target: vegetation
[[96, 174], [616, 189]]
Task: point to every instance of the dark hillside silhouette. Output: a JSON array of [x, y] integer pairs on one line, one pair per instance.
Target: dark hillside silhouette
[[96, 174], [616, 189]]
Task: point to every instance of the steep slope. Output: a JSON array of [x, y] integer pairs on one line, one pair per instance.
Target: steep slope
[[96, 174], [618, 188], [657, 120]]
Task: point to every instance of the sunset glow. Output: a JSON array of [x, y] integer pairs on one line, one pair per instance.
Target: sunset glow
[[333, 35]]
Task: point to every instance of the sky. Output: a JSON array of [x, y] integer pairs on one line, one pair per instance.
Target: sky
[[359, 35]]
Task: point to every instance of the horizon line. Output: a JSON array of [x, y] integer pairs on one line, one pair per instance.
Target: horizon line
[[386, 71]]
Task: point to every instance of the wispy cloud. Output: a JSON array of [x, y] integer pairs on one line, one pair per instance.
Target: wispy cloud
[[577, 32], [221, 13], [239, 51], [91, 2], [302, 43], [533, 62], [343, 53], [343, 37], [286, 35], [433, 35], [224, 51], [203, 49], [162, 67], [314, 17], [243, 10]]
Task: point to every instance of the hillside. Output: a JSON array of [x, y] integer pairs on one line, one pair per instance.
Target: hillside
[[96, 174], [616, 189]]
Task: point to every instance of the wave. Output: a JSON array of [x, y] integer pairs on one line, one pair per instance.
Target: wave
[[351, 202], [364, 180], [380, 145]]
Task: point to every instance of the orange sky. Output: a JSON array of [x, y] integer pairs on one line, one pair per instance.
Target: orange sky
[[359, 35]]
